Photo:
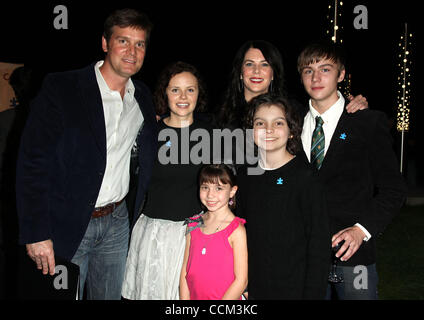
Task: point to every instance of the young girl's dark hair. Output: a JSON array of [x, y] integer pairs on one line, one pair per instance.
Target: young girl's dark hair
[[266, 100], [218, 173]]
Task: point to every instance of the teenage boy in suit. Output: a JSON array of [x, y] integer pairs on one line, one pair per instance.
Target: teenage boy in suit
[[73, 166], [353, 156]]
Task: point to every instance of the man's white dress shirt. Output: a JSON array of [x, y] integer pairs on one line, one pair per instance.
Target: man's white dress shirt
[[123, 120]]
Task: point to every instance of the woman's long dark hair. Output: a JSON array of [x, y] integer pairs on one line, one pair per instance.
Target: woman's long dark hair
[[233, 109]]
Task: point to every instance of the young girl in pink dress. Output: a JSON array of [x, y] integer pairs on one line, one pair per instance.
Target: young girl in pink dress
[[215, 258]]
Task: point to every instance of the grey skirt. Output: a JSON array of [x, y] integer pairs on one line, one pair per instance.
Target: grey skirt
[[154, 260]]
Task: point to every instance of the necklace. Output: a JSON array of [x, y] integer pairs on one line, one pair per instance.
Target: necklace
[[217, 228]]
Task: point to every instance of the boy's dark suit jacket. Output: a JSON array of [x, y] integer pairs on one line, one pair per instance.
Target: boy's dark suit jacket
[[62, 159], [362, 178]]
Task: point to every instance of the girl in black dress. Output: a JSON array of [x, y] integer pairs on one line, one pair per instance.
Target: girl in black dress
[[158, 238], [288, 234]]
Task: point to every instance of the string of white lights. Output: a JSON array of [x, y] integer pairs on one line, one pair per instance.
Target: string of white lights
[[335, 30], [404, 81]]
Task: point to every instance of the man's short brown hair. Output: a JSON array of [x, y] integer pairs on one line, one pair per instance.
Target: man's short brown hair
[[321, 51], [127, 18]]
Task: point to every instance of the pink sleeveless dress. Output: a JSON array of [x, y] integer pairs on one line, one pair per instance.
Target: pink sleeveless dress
[[210, 265]]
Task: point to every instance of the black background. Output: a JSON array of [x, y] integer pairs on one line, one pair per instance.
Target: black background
[[208, 34]]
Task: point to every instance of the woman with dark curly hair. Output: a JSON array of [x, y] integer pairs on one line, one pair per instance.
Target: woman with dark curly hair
[[288, 232], [158, 239]]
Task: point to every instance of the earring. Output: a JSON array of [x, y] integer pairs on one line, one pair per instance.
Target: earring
[[241, 85], [231, 202]]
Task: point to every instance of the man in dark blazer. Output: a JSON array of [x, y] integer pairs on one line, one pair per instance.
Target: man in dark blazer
[[354, 159], [73, 166]]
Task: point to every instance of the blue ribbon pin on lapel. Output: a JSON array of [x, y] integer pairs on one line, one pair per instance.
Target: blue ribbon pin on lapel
[[343, 136]]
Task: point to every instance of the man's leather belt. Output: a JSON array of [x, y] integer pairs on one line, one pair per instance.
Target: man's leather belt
[[107, 209]]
